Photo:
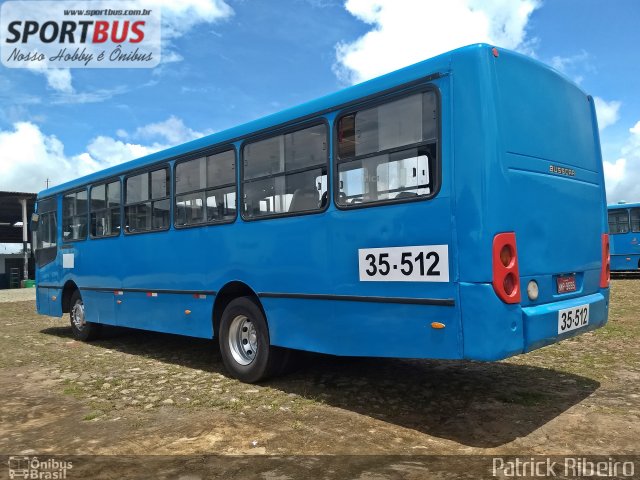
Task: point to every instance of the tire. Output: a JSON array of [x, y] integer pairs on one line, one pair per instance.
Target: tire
[[246, 350], [81, 329]]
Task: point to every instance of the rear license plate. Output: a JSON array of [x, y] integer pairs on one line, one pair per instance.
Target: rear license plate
[[566, 284], [572, 318]]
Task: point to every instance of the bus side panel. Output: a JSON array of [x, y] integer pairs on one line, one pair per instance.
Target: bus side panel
[[55, 302], [363, 329], [625, 262], [492, 329], [42, 300], [99, 306], [624, 240], [49, 301], [167, 312], [476, 150]]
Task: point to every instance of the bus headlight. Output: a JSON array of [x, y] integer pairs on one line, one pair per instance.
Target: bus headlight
[[532, 290]]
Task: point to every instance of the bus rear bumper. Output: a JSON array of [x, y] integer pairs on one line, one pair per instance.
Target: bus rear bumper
[[493, 330], [540, 322]]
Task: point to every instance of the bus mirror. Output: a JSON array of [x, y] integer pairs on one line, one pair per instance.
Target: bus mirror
[[34, 218]]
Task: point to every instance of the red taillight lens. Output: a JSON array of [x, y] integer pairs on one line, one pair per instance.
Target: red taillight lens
[[506, 279], [509, 284], [506, 255], [605, 272]]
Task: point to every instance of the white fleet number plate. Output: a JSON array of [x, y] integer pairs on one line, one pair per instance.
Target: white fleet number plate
[[572, 318], [423, 263]]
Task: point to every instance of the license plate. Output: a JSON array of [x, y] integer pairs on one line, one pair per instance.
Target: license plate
[[572, 318], [566, 284]]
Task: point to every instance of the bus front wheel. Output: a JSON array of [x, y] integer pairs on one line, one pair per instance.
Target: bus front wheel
[[82, 330], [244, 343]]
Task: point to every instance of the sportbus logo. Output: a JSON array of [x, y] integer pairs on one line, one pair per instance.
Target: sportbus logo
[[72, 34]]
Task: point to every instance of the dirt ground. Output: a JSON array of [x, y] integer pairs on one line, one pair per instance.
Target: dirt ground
[[141, 393]]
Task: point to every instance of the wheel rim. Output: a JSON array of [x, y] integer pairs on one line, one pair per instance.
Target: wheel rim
[[243, 340], [77, 315]]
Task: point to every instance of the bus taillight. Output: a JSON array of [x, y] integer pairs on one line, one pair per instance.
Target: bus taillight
[[605, 271], [506, 279]]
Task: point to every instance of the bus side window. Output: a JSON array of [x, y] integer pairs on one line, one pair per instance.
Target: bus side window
[[74, 216], [618, 222], [388, 152], [206, 189], [46, 232], [147, 204], [286, 173], [635, 220], [105, 209]]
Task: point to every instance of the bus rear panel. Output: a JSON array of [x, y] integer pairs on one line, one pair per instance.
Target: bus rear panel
[[544, 186]]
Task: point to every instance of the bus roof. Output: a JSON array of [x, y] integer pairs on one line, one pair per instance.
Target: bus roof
[[419, 72], [615, 206]]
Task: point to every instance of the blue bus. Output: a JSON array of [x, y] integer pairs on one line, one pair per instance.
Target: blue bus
[[453, 209], [624, 231]]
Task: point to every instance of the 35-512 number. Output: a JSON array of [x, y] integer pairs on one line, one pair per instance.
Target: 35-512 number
[[382, 266], [424, 263]]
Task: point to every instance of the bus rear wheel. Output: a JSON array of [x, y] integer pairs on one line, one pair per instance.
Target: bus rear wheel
[[81, 329], [244, 343]]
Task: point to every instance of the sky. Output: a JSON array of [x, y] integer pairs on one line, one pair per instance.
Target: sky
[[226, 62]]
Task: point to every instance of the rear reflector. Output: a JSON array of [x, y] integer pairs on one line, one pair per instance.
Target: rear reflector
[[605, 271], [506, 279]]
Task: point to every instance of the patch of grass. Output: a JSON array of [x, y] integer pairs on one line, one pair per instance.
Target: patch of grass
[[73, 389], [92, 415]]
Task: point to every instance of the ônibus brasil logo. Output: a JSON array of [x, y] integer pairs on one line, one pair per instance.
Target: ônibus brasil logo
[[72, 34]]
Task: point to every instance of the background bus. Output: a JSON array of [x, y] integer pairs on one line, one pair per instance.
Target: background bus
[[452, 209], [624, 231]]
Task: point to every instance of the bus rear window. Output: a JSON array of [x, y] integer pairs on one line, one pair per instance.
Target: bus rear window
[[618, 222], [388, 152]]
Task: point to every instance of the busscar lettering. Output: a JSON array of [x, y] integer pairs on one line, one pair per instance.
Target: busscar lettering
[[562, 171]]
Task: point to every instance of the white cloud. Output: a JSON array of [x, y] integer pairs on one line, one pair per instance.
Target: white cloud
[[173, 130], [59, 79], [407, 31], [574, 66], [28, 156], [180, 17], [622, 176], [607, 112], [106, 151]]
